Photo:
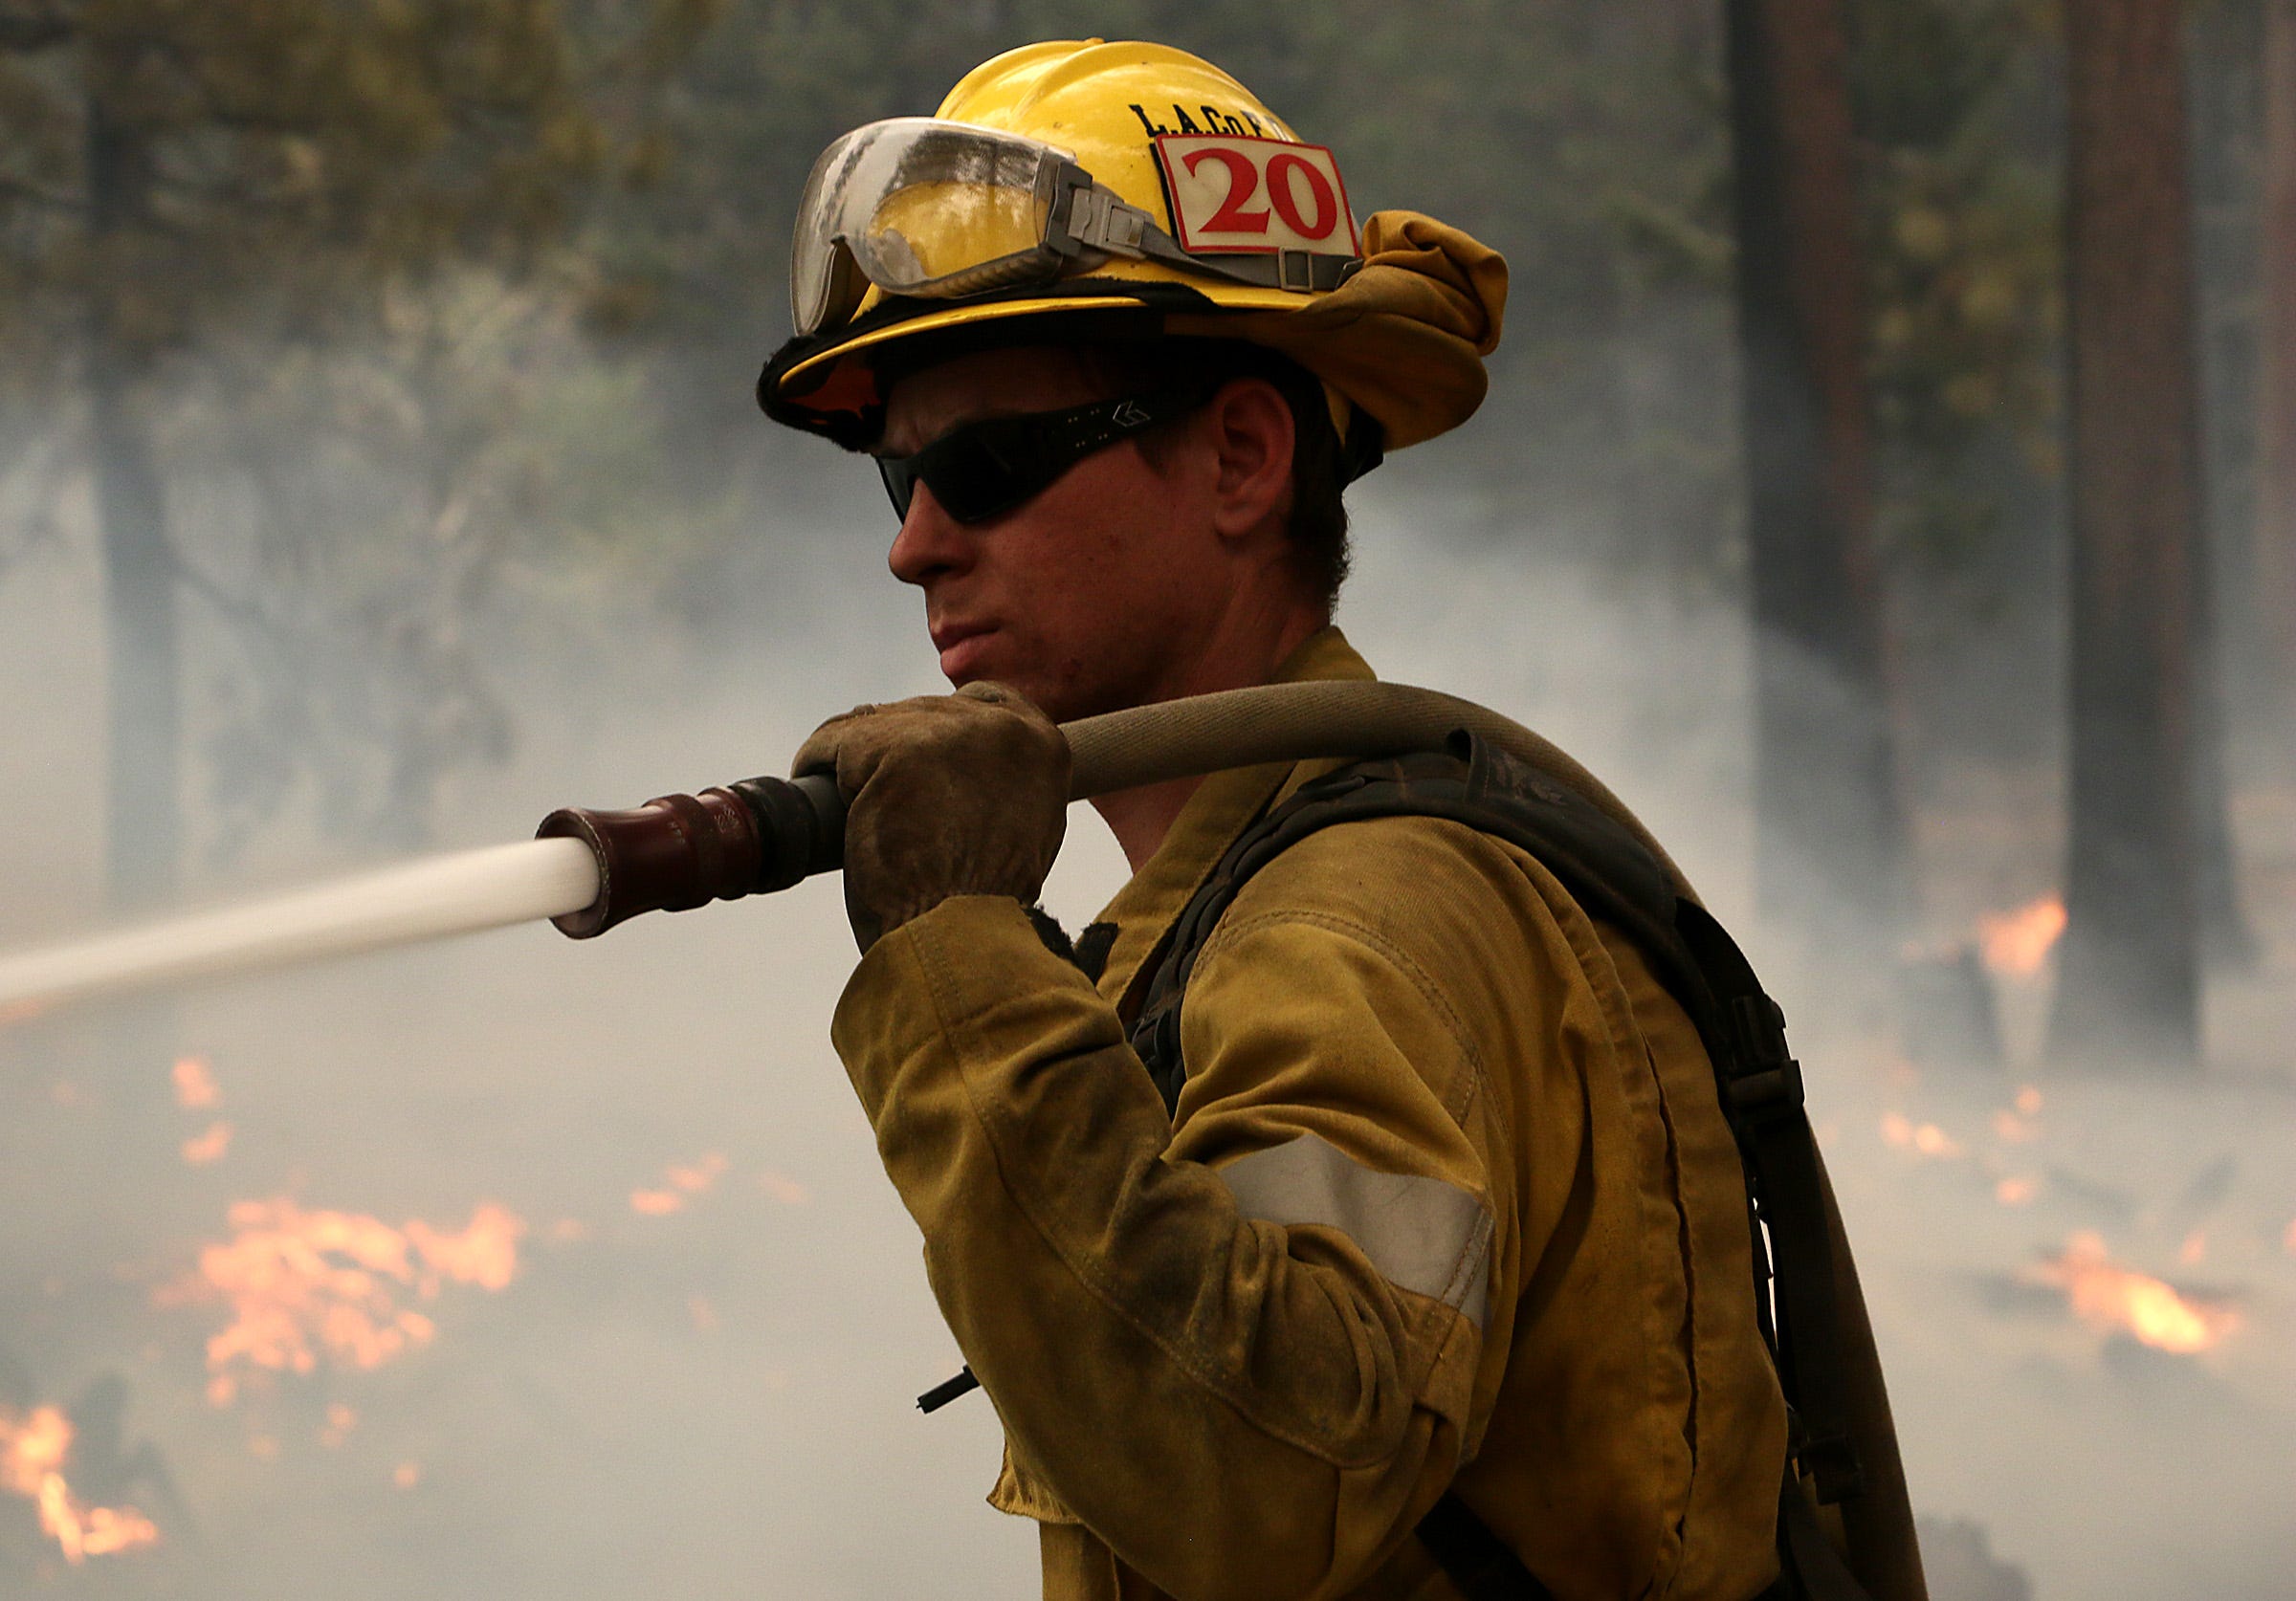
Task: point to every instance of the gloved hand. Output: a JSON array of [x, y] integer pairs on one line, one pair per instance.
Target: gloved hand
[[947, 794]]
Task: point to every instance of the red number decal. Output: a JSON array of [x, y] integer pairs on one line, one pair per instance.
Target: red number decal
[[1320, 195], [1243, 178]]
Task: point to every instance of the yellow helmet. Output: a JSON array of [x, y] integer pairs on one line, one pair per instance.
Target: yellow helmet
[[1127, 190]]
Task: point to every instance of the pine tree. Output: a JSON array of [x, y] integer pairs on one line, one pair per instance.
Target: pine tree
[[2129, 985], [1830, 829]]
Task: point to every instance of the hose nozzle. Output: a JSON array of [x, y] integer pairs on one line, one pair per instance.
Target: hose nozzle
[[679, 851]]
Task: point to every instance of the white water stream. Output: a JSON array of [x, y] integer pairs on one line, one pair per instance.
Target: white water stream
[[431, 898]]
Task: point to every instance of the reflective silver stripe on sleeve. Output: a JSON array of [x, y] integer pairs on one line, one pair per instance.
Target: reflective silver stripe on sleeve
[[1421, 1234]]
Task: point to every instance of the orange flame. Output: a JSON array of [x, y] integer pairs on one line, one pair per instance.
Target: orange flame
[[1924, 1139], [2016, 1192], [2012, 1129], [2016, 943], [340, 1421], [682, 1181], [2110, 1297], [31, 1464], [194, 1085], [202, 1149], [304, 1286]]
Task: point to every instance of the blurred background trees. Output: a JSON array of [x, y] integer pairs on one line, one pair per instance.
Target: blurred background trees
[[263, 265], [1828, 804], [2131, 969]]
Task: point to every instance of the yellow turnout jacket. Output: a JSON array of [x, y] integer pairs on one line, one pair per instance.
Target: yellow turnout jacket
[[1448, 1201]]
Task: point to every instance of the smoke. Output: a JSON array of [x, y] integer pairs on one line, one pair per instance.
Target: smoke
[[715, 1397], [2099, 1466]]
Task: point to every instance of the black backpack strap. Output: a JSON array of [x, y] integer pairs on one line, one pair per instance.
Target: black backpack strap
[[1616, 880], [1472, 782], [1811, 1569], [1762, 1097]]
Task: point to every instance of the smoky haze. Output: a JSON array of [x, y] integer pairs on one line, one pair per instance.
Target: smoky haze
[[718, 1401], [491, 556]]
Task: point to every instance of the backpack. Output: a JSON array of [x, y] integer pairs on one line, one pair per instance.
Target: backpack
[[1616, 880]]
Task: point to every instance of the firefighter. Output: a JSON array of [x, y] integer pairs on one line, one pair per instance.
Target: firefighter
[[1433, 1273]]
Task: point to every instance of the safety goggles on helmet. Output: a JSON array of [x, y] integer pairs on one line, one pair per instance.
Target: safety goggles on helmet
[[986, 469], [936, 209]]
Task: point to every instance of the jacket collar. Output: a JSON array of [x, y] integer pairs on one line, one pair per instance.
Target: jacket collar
[[1223, 806]]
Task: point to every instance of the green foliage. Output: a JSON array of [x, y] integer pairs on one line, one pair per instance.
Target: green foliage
[[321, 244], [281, 152], [1964, 263]]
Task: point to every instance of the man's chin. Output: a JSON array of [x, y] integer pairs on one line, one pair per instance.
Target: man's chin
[[972, 661], [1045, 697], [993, 658]]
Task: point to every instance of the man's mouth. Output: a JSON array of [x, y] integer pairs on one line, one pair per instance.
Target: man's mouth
[[960, 644], [946, 636]]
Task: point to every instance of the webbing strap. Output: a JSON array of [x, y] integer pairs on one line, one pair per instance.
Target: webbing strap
[[1615, 880], [1808, 1558], [1762, 1097]]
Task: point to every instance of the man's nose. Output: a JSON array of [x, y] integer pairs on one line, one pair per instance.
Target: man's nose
[[931, 543]]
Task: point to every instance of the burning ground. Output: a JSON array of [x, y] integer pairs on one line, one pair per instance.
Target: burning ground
[[35, 1449], [2086, 1291]]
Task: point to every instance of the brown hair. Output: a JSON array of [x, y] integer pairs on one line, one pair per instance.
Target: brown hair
[[1317, 527]]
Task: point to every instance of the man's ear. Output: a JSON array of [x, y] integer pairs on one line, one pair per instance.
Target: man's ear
[[1250, 427]]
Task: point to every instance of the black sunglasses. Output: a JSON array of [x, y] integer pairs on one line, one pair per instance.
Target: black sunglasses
[[986, 469]]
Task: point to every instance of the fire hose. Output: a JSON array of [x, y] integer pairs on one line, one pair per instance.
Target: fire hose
[[589, 870]]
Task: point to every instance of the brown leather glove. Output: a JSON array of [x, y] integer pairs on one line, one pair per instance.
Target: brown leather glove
[[947, 794]]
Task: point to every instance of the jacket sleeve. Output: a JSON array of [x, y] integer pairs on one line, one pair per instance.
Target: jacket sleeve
[[1244, 1354]]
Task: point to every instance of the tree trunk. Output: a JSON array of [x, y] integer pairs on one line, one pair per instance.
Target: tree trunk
[[2130, 987], [1830, 830], [143, 765], [2274, 534], [144, 769], [143, 758], [2227, 944], [2224, 50]]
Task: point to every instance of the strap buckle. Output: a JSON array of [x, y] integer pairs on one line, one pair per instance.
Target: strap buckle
[[1771, 1093], [1094, 218], [1831, 1464], [1764, 1081]]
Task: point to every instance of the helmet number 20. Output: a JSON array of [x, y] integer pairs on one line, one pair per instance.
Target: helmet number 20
[[1217, 183]]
